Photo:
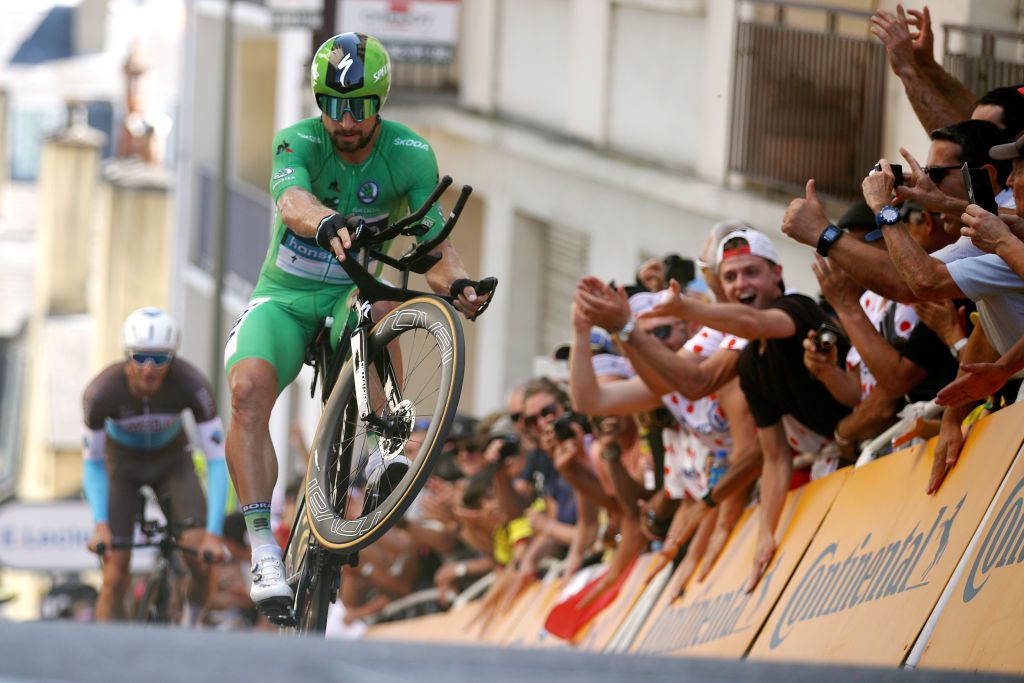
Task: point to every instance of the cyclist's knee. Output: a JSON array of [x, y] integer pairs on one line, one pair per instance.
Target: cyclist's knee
[[116, 571], [253, 384]]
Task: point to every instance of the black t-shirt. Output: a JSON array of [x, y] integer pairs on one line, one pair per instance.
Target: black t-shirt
[[928, 352], [776, 382]]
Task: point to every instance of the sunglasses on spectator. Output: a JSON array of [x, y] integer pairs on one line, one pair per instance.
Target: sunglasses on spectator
[[515, 417], [937, 173], [157, 358], [547, 411], [662, 332], [361, 108]]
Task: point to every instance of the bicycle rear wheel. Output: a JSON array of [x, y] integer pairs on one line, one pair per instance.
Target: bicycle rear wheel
[[417, 394]]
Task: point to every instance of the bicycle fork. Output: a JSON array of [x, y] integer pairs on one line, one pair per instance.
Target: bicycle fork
[[360, 341]]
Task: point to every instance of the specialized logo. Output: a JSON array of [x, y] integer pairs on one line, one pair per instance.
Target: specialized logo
[[368, 192], [1003, 545], [283, 147], [381, 72], [343, 66], [409, 142], [833, 585], [283, 173]]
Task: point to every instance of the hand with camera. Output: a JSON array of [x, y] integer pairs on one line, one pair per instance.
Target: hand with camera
[[987, 231], [820, 358], [879, 185], [836, 285]]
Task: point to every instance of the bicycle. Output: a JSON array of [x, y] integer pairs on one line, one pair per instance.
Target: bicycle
[[162, 598], [351, 497]]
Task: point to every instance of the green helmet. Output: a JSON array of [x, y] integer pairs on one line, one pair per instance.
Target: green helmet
[[351, 65]]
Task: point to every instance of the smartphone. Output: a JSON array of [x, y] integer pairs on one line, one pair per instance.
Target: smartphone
[[897, 172], [979, 188]]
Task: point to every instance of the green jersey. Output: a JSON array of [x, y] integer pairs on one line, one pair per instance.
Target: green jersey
[[396, 178]]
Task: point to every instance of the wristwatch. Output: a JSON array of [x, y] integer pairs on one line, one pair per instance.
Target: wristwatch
[[611, 452], [828, 238], [957, 346], [627, 329], [889, 215], [708, 500]]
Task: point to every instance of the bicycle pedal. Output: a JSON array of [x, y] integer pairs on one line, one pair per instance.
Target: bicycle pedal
[[278, 611]]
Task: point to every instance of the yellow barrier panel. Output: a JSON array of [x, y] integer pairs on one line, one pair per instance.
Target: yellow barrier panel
[[982, 625], [885, 552], [716, 617], [452, 626]]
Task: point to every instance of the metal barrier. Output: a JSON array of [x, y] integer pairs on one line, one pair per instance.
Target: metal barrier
[[806, 104], [983, 71]]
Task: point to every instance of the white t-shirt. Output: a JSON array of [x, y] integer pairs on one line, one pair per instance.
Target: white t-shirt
[[876, 307]]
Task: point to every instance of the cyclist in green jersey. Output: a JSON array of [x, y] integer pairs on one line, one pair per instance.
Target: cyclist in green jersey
[[346, 162]]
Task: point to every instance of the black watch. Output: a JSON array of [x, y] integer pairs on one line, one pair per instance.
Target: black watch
[[828, 238], [888, 215], [708, 500]]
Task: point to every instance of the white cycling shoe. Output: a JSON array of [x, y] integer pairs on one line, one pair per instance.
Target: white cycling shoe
[[269, 590]]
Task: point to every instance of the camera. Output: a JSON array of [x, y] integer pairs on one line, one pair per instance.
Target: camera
[[509, 448], [897, 172], [563, 426], [828, 337], [979, 188]]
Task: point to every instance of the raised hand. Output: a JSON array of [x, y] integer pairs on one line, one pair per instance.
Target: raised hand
[[979, 381], [986, 230], [805, 218]]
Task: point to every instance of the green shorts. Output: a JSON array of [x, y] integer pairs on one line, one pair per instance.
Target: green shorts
[[279, 323]]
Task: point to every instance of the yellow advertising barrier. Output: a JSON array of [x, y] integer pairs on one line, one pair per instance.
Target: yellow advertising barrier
[[982, 625], [885, 552], [452, 626], [717, 617]]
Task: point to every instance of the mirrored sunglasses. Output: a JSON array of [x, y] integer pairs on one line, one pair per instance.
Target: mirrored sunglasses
[[157, 358], [662, 332], [361, 108]]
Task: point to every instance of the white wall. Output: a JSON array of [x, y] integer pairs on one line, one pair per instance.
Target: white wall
[[532, 72], [656, 83]]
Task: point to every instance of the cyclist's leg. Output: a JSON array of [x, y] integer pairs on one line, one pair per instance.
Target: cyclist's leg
[[122, 494], [180, 485], [264, 353]]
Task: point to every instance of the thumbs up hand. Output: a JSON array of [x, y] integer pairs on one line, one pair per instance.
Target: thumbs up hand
[[805, 219]]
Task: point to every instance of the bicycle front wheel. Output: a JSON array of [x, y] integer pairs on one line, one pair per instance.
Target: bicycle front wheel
[[362, 476], [153, 608]]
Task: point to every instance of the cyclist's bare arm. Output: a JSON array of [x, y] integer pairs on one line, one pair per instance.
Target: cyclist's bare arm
[[303, 213], [448, 270]]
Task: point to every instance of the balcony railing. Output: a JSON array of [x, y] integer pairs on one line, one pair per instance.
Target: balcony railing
[[984, 58], [807, 98]]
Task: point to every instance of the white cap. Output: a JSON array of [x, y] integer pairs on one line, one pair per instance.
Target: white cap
[[758, 244], [643, 301], [718, 231]]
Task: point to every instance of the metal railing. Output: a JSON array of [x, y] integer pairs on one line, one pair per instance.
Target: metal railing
[[982, 69], [806, 103]]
